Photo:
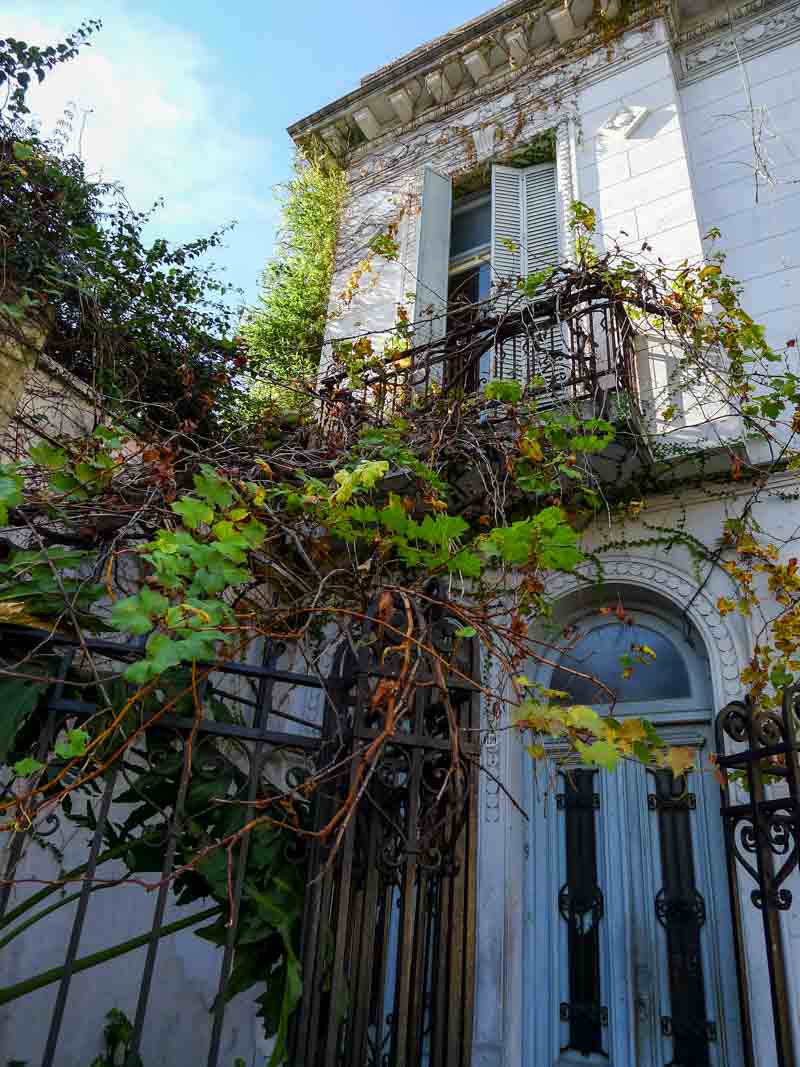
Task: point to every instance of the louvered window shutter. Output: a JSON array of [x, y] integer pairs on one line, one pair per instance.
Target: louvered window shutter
[[507, 259], [524, 240], [433, 257], [541, 218]]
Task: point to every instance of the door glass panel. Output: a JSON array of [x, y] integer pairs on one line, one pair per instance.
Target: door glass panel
[[580, 903], [610, 652], [681, 911]]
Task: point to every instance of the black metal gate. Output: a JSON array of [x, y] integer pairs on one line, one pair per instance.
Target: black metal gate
[[388, 920], [389, 936], [763, 833]]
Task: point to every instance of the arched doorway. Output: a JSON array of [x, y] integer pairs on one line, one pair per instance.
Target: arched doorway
[[628, 953]]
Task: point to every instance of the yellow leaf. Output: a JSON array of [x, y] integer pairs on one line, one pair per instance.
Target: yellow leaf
[[580, 717], [531, 448], [680, 759], [645, 650], [632, 730], [601, 753], [536, 751], [15, 612]]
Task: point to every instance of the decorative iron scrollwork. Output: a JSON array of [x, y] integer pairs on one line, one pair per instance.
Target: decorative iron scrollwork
[[689, 910], [763, 832], [572, 799], [576, 905], [707, 1030], [685, 800], [593, 1014]]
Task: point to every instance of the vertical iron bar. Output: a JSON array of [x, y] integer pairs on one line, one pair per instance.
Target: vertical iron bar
[[470, 879], [681, 911], [77, 924], [45, 738], [738, 932], [341, 896], [366, 948], [263, 708], [580, 903], [770, 916], [173, 833], [407, 914], [457, 947]]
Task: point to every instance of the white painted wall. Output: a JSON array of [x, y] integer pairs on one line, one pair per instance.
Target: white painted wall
[[640, 185], [178, 1024], [760, 223]]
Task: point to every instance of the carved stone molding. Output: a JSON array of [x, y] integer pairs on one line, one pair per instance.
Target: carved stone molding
[[565, 183], [491, 760], [491, 747], [622, 122], [726, 654], [739, 36], [484, 139]]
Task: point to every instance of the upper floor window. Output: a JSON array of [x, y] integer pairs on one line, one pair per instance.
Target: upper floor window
[[471, 245]]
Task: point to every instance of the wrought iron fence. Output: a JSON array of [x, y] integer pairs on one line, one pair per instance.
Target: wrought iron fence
[[387, 935], [400, 898], [763, 828]]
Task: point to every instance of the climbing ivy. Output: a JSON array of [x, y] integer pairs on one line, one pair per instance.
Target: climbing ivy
[[283, 333]]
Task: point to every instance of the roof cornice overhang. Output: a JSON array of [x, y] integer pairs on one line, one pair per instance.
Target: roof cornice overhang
[[473, 57], [485, 55], [418, 60]]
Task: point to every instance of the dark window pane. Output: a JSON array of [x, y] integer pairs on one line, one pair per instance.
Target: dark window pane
[[470, 286], [471, 229], [600, 653], [467, 289]]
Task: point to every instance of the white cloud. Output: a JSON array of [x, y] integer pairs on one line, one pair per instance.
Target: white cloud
[[150, 98]]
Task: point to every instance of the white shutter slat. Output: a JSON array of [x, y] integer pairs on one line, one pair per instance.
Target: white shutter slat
[[433, 257], [508, 257], [524, 240], [541, 218], [506, 224], [542, 250]]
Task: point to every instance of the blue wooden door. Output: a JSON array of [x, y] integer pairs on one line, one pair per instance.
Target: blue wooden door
[[628, 938]]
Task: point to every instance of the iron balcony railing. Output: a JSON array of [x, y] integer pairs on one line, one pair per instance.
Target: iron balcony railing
[[563, 349]]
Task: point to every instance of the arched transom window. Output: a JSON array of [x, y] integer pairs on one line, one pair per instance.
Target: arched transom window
[[644, 660]]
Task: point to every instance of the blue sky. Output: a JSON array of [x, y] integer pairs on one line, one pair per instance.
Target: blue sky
[[190, 99]]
